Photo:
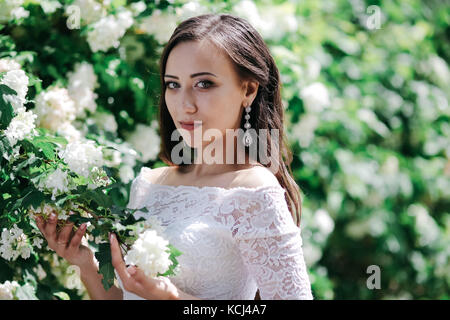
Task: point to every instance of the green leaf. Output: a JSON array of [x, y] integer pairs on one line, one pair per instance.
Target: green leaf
[[174, 253], [77, 219], [5, 147], [61, 295], [106, 268], [33, 198], [99, 197], [45, 145], [6, 110]]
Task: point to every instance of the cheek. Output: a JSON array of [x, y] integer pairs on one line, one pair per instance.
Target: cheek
[[171, 104]]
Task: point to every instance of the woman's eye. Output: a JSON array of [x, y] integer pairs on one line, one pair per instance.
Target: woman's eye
[[206, 84], [169, 83]]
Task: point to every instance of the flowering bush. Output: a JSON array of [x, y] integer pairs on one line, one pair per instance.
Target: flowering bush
[[367, 118], [43, 174]]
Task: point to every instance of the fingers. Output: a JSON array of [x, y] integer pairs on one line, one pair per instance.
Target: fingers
[[58, 241], [63, 237], [139, 275], [40, 224], [118, 263], [77, 237], [50, 227]]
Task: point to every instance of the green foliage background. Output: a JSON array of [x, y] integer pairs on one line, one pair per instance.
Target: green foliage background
[[373, 164]]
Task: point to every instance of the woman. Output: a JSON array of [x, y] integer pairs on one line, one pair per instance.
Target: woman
[[236, 223]]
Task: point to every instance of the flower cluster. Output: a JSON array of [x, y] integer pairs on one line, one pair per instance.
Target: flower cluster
[[106, 32], [14, 243], [23, 123], [146, 141], [8, 290], [151, 253], [12, 9], [16, 79], [54, 107], [82, 82], [21, 126], [57, 182], [82, 157]]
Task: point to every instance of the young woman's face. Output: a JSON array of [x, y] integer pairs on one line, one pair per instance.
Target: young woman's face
[[201, 85]]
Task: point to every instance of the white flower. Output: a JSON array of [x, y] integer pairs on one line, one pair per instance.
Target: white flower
[[190, 9], [8, 289], [50, 6], [138, 7], [12, 9], [112, 158], [323, 221], [18, 81], [81, 157], [99, 178], [145, 140], [248, 10], [150, 253], [315, 97], [56, 182], [37, 242], [82, 82], [438, 69], [126, 173], [278, 21], [21, 126], [54, 107], [304, 130], [125, 19], [83, 74], [8, 64], [14, 243], [107, 31], [15, 101], [46, 210], [160, 24], [105, 121], [90, 10], [68, 131], [40, 272], [425, 225]]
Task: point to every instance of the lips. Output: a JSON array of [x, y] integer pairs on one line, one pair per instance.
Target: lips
[[190, 125]]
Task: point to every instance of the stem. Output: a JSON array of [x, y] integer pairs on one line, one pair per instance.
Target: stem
[[93, 214]]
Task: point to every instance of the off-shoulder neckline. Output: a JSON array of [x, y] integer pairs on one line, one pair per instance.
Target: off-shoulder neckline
[[202, 188]]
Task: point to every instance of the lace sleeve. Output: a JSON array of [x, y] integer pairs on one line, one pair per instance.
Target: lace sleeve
[[271, 247], [137, 191]]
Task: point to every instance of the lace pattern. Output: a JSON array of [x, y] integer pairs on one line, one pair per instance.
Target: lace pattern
[[233, 241]]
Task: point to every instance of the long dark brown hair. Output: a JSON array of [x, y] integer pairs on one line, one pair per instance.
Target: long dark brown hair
[[252, 60]]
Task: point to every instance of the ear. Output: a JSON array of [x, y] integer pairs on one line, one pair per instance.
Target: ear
[[250, 90]]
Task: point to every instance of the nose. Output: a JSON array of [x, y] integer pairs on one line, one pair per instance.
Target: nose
[[187, 101]]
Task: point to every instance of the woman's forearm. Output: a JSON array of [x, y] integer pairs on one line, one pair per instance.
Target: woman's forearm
[[92, 280]]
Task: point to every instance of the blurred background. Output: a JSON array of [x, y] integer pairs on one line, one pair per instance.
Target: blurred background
[[366, 88]]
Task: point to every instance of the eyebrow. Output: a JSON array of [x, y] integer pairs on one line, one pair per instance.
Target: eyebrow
[[192, 75]]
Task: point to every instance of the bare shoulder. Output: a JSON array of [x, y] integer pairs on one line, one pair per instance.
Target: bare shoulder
[[254, 177], [154, 175]]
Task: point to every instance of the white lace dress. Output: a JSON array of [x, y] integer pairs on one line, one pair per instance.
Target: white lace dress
[[233, 241]]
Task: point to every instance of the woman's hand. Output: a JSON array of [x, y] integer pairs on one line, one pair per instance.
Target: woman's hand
[[134, 280], [68, 248]]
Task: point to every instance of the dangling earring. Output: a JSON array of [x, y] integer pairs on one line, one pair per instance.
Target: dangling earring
[[247, 139]]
